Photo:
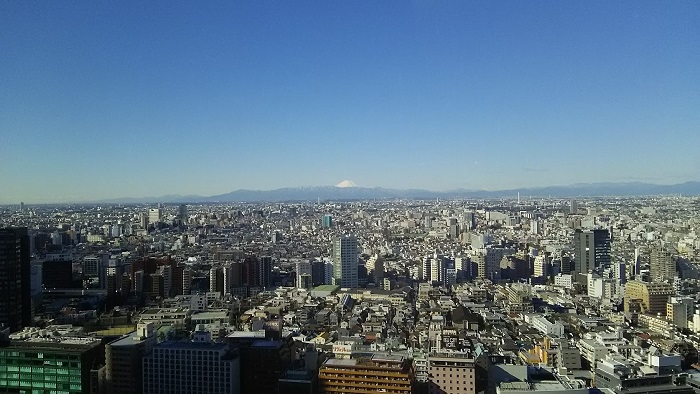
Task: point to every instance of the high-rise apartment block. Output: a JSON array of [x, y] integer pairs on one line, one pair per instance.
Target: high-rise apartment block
[[379, 373], [662, 266], [451, 373], [345, 261]]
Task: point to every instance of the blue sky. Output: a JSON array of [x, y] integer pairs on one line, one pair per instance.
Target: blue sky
[[113, 99]]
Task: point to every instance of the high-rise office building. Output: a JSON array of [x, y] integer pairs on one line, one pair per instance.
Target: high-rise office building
[[182, 214], [327, 221], [191, 367], [32, 363], [15, 271], [57, 274], [470, 220], [345, 261], [318, 272], [591, 251], [262, 365]]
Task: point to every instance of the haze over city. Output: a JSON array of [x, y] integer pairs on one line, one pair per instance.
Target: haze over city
[[108, 100]]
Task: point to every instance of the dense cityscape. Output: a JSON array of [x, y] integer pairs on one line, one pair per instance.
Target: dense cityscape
[[349, 197], [400, 296]]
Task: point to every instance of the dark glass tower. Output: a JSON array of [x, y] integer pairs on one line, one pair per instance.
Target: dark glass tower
[[15, 286], [591, 250]]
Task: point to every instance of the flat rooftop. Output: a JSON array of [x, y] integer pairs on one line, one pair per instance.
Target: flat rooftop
[[330, 288], [192, 345]]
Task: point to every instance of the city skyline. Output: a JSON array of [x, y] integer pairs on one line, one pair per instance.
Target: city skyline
[[105, 101]]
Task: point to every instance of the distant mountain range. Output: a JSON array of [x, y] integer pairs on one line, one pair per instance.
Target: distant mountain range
[[344, 191]]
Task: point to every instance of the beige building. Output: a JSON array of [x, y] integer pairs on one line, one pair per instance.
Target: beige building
[[648, 297], [379, 373], [451, 373]]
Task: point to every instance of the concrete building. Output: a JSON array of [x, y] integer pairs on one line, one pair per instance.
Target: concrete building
[[541, 324]]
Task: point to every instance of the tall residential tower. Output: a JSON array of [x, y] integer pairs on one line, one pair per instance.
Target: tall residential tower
[[345, 261]]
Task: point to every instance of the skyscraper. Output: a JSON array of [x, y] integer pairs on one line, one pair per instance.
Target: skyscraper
[[591, 250], [15, 271], [345, 261], [327, 221], [182, 214], [573, 208]]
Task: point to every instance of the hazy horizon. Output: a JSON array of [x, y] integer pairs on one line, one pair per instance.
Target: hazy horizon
[[131, 99], [181, 197]]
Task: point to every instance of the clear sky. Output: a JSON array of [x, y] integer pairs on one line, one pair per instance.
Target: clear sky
[[115, 98]]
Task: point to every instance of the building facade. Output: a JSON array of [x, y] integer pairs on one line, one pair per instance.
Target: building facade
[[191, 367]]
